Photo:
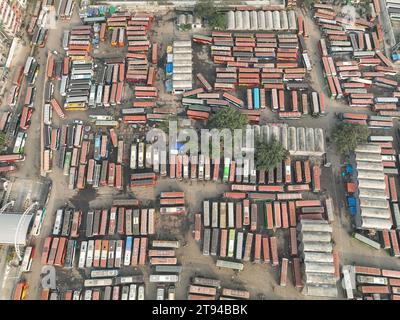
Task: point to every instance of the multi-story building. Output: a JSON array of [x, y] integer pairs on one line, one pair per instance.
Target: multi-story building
[[10, 17]]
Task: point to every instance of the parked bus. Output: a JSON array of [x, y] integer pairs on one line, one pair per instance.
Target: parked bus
[[256, 98], [20, 291], [58, 222], [227, 164], [19, 143], [231, 243], [70, 254], [82, 255], [37, 223], [27, 259], [204, 82], [232, 99], [367, 241]]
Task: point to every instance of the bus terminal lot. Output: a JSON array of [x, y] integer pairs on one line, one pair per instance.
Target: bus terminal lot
[[261, 280]]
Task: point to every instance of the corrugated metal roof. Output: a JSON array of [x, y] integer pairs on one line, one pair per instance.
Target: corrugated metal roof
[[8, 227]]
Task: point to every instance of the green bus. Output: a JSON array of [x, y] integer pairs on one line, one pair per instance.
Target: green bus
[[227, 164]]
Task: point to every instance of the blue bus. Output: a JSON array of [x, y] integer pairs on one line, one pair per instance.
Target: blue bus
[[128, 251], [97, 147], [256, 98]]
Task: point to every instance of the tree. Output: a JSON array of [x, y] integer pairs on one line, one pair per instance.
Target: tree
[[2, 140], [218, 21], [308, 3], [269, 154], [228, 118], [347, 136], [186, 27], [164, 125], [205, 9]]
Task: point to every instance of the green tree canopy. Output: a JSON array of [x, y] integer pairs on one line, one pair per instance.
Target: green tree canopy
[[228, 118], [308, 3], [269, 154], [218, 21], [205, 9], [164, 125], [347, 136], [2, 140]]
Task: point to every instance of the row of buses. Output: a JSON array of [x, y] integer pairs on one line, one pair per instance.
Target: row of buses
[[116, 292]]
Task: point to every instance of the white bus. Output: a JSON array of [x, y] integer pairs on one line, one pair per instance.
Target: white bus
[[118, 254], [201, 167], [160, 293], [141, 155], [104, 273], [125, 293], [132, 292], [78, 135], [149, 156], [66, 40], [63, 85], [37, 224], [163, 278], [98, 282], [99, 95], [88, 295], [76, 295], [315, 103], [27, 259], [47, 114], [140, 295], [89, 254], [156, 160], [133, 159], [231, 215], [57, 222], [28, 64], [82, 255], [307, 62], [92, 96], [19, 142]]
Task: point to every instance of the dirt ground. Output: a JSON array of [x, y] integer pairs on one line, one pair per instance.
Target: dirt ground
[[261, 280]]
